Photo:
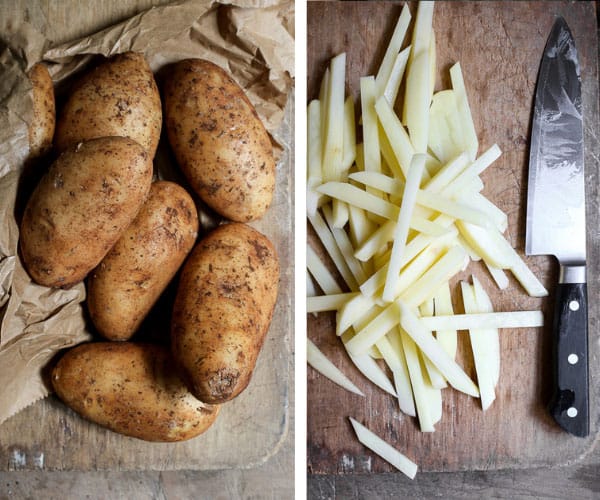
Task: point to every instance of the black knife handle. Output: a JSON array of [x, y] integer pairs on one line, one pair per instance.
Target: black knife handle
[[570, 405]]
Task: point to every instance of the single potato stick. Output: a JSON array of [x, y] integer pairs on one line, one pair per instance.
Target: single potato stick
[[325, 367]]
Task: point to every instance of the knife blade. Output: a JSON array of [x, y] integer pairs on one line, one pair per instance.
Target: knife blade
[[556, 219]]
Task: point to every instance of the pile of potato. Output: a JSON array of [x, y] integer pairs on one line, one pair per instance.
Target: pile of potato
[[97, 216]]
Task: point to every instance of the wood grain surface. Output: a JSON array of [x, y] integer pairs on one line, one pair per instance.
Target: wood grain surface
[[250, 429], [499, 46]]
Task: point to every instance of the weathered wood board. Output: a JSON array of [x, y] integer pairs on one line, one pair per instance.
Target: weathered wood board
[[499, 46]]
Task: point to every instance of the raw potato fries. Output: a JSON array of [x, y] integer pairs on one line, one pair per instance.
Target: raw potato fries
[[416, 218]]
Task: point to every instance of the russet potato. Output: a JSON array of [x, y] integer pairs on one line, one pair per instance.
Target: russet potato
[[223, 309], [81, 206], [117, 98], [219, 141], [129, 280], [41, 129], [132, 389]]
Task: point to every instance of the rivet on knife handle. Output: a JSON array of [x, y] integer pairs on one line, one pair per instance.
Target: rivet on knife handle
[[570, 403]]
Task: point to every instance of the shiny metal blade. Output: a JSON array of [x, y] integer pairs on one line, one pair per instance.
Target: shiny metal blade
[[556, 187]]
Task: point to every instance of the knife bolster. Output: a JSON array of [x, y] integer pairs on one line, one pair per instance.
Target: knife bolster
[[572, 274]]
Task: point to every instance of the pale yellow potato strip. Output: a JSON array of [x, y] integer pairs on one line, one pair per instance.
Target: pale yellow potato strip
[[432, 393], [325, 367], [453, 373], [473, 170], [498, 275], [349, 151], [447, 338], [345, 248], [512, 319], [334, 125], [321, 303], [314, 155], [397, 136], [392, 86], [352, 311], [372, 371], [417, 96], [401, 376], [447, 173], [348, 193], [418, 383], [464, 111], [436, 379], [525, 277], [413, 181], [320, 273], [479, 202], [483, 344], [452, 208], [384, 450], [331, 246], [394, 46], [439, 273], [484, 304]]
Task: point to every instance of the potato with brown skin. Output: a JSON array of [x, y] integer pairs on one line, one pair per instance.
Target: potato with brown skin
[[41, 128], [117, 98], [219, 140], [129, 280], [81, 206], [132, 389], [223, 309]]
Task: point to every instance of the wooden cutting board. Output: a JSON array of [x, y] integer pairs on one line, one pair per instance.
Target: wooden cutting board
[[499, 46]]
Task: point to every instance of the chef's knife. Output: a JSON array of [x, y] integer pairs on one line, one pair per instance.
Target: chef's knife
[[556, 219]]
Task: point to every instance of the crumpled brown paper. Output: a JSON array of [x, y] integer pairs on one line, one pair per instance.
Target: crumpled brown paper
[[253, 40]]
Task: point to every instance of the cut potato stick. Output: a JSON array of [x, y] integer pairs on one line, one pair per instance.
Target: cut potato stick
[[399, 372], [464, 111], [433, 394], [372, 332], [453, 373], [321, 303], [371, 370], [320, 273], [484, 345], [331, 246], [417, 93], [473, 170], [384, 449], [413, 181], [355, 196], [488, 243], [524, 276], [401, 376], [473, 255], [481, 203], [418, 383], [334, 124], [372, 156], [498, 275], [394, 46], [439, 273], [314, 153], [451, 208], [345, 247], [484, 304], [398, 139], [447, 338], [325, 367], [350, 312], [360, 226], [436, 379], [445, 138], [349, 144], [392, 86], [447, 173], [511, 319]]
